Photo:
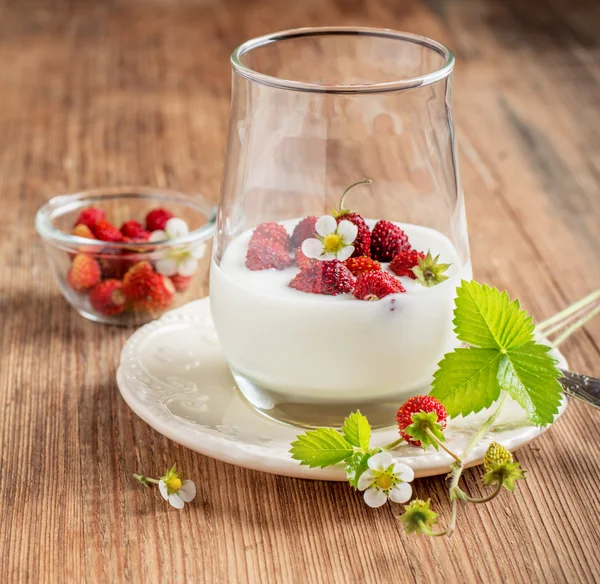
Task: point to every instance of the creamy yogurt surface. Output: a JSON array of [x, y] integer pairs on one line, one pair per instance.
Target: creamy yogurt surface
[[330, 349]]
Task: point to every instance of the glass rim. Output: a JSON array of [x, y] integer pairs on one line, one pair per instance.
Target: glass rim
[[397, 85], [62, 204]]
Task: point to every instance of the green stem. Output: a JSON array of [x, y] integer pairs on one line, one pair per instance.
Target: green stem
[[566, 334], [485, 426], [145, 480], [572, 309], [364, 181], [457, 471], [435, 439], [488, 498], [392, 445], [428, 531]]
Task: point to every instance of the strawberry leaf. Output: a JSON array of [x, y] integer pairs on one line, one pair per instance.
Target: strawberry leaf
[[486, 318], [321, 447], [357, 430], [529, 375], [355, 465], [466, 380], [503, 356]]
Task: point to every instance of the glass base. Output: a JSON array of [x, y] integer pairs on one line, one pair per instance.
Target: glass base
[[283, 408]]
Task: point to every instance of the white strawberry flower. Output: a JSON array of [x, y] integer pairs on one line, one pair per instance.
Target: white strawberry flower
[[181, 260], [172, 488], [385, 479], [334, 240]]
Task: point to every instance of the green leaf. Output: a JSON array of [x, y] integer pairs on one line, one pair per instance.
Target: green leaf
[[357, 430], [355, 466], [466, 380], [321, 447], [530, 376], [486, 318]]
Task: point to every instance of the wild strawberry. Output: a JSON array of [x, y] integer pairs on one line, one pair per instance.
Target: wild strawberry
[[362, 242], [82, 230], [84, 273], [107, 297], [387, 241], [361, 265], [324, 277], [105, 231], [304, 230], [404, 262], [414, 405], [263, 255], [157, 219], [181, 283], [273, 233], [376, 285], [135, 231], [147, 290], [90, 216], [302, 261]]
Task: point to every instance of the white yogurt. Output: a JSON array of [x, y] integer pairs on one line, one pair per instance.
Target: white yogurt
[[333, 349]]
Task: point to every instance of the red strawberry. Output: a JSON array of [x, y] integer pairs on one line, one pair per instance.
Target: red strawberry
[[414, 405], [82, 230], [105, 231], [362, 243], [181, 283], [107, 297], [90, 216], [405, 261], [264, 255], [376, 285], [146, 290], [387, 241], [273, 233], [362, 265], [302, 261], [157, 219], [134, 231], [304, 230], [324, 277], [84, 273]]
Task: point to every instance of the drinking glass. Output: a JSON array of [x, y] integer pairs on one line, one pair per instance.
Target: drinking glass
[[314, 110]]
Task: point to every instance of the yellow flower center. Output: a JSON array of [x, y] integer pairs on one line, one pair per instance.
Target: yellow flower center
[[174, 484], [384, 482], [332, 243]]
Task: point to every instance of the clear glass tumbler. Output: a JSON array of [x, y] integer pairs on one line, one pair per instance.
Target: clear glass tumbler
[[314, 111]]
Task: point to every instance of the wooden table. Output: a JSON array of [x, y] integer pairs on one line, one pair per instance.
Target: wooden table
[[107, 93]]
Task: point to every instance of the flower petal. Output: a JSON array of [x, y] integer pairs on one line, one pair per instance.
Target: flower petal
[[166, 267], [158, 235], [380, 461], [375, 497], [404, 472], [312, 248], [187, 491], [348, 231], [400, 493], [163, 490], [325, 225], [345, 253], [327, 256], [188, 267], [176, 227], [198, 250], [176, 501], [366, 480]]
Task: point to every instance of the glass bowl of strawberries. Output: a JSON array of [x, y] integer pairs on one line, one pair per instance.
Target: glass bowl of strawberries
[[126, 255]]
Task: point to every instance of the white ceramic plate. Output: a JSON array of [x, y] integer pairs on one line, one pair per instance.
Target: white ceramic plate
[[173, 374]]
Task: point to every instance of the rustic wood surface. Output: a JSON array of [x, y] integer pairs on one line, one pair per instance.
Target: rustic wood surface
[[133, 91]]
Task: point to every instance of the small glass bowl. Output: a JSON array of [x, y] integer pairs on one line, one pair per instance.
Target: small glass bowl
[[54, 222]]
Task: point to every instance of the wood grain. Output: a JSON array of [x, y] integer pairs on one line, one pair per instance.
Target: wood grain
[[131, 91]]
